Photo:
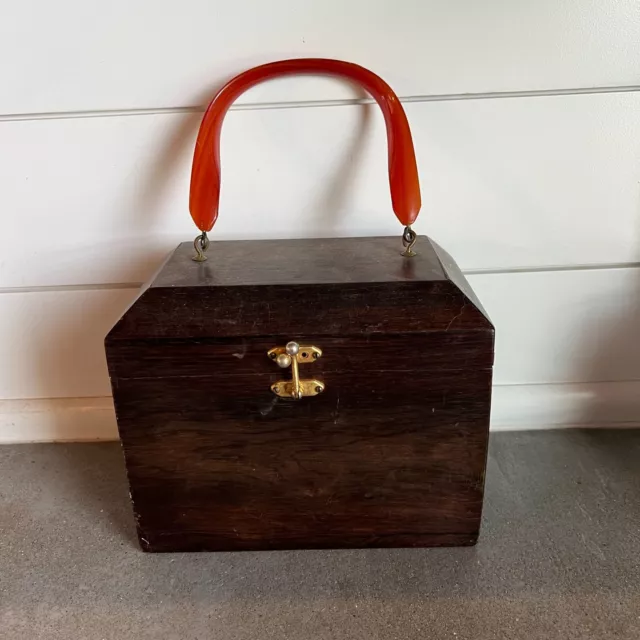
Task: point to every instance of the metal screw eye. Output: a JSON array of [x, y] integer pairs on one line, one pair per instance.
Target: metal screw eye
[[409, 238], [201, 244]]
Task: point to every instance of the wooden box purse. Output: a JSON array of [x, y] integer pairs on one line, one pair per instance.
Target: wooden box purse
[[317, 393]]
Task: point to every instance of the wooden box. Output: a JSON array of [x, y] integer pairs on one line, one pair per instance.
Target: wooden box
[[388, 451]]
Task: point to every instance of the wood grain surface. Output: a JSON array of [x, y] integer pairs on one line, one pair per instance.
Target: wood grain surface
[[392, 453]]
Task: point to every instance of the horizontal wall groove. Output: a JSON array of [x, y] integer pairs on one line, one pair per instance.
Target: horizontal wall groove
[[553, 268], [562, 385], [467, 272], [514, 407], [305, 104], [566, 383], [71, 287]]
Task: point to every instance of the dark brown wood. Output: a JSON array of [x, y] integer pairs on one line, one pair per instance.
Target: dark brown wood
[[393, 453]]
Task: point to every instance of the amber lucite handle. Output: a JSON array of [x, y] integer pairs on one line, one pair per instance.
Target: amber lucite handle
[[204, 198]]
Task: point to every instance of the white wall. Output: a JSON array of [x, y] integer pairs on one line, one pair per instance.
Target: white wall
[[526, 120]]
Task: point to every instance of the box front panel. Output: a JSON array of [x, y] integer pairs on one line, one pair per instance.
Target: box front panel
[[392, 453]]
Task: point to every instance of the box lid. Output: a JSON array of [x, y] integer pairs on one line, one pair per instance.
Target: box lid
[[333, 286], [301, 261]]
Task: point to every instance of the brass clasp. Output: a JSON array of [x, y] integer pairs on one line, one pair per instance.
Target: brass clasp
[[293, 355]]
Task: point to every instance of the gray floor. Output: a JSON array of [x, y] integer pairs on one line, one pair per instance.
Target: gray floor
[[559, 558]]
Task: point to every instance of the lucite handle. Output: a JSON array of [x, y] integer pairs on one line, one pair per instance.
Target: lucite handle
[[204, 198]]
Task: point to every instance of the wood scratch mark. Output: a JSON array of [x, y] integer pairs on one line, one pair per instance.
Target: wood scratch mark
[[456, 317], [269, 408], [242, 353], [240, 312]]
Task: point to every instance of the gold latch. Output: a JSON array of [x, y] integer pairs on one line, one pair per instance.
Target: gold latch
[[292, 355]]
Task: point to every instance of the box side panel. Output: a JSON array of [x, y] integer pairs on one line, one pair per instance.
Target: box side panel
[[456, 276]]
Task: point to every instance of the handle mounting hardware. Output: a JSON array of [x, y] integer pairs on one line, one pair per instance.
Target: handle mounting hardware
[[409, 238], [200, 244]]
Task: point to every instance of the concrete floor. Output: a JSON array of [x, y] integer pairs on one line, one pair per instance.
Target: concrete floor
[[559, 557]]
